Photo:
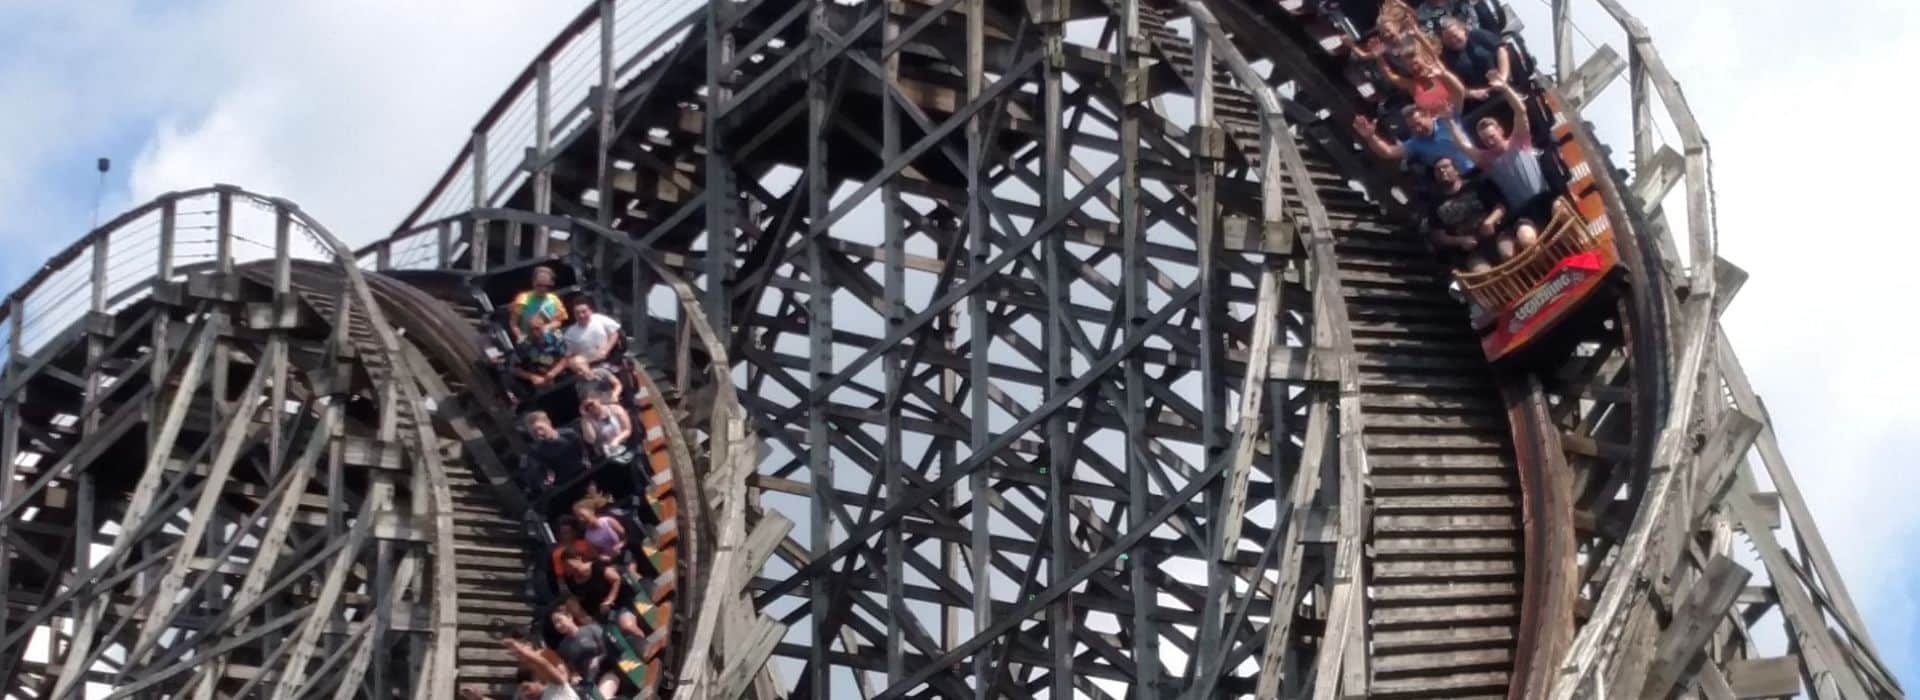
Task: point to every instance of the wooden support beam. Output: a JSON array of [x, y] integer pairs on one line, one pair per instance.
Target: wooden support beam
[[1773, 677], [1658, 177], [1706, 604], [1594, 75], [745, 661]]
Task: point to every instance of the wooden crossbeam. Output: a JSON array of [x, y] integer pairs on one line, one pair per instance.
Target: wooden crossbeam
[[1681, 644]]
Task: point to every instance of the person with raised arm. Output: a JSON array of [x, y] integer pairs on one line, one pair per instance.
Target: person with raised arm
[[1433, 137], [1510, 158], [1432, 87]]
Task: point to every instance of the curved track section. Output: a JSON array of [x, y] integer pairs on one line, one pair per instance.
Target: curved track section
[[1004, 349], [1006, 320], [215, 484]]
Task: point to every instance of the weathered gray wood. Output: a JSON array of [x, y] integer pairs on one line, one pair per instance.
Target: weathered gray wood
[[1593, 76], [767, 534], [239, 427], [273, 541], [1777, 676], [293, 677], [747, 659], [1809, 626], [1705, 606]]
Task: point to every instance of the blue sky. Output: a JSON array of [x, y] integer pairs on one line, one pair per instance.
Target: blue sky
[[352, 108]]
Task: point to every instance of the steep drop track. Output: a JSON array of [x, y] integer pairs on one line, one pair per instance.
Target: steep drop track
[[1445, 541]]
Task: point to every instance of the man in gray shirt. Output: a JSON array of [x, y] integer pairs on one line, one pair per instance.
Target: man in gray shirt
[[1510, 159]]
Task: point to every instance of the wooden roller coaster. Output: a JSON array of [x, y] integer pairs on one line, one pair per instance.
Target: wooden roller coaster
[[1060, 348]]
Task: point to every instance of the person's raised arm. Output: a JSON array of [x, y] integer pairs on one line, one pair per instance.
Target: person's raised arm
[[619, 388], [1465, 142], [1503, 62], [513, 318], [543, 669], [1456, 90], [1369, 134], [1522, 126], [1386, 70]]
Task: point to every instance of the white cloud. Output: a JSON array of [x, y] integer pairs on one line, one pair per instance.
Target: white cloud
[[350, 109], [351, 113]]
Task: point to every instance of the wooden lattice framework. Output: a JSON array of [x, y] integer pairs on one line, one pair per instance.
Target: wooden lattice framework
[[1032, 457]]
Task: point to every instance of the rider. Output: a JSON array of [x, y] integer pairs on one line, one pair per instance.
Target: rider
[[1467, 218], [1510, 159], [1476, 15], [1476, 56], [1433, 138]]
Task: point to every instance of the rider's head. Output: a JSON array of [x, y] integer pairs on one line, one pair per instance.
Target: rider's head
[[1446, 172], [1492, 133], [1420, 121], [1453, 33]]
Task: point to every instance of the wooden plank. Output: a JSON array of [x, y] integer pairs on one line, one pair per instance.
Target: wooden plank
[[1705, 607], [1773, 677], [273, 542], [1658, 177], [1594, 75], [767, 534], [1725, 453], [745, 661]]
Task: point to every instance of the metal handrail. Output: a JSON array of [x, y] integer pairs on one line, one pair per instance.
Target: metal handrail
[[155, 242], [643, 29]]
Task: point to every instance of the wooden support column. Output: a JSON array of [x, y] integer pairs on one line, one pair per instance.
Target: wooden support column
[[1135, 52], [979, 188], [225, 282], [9, 453], [543, 156], [894, 364], [476, 228], [604, 99]]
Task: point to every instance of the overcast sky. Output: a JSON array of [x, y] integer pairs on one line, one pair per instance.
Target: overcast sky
[[352, 109]]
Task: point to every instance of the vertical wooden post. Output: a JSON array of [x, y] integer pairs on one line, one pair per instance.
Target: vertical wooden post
[[606, 91], [9, 449], [96, 340], [1135, 51], [542, 144], [476, 227], [443, 244], [894, 364], [283, 304], [162, 322], [1562, 41], [223, 234], [1206, 146], [979, 187]]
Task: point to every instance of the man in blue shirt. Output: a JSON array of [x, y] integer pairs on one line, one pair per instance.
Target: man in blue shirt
[[1432, 139]]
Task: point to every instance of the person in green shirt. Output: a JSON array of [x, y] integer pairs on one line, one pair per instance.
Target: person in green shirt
[[537, 308]]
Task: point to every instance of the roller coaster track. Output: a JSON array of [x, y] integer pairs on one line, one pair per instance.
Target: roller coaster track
[[994, 349]]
